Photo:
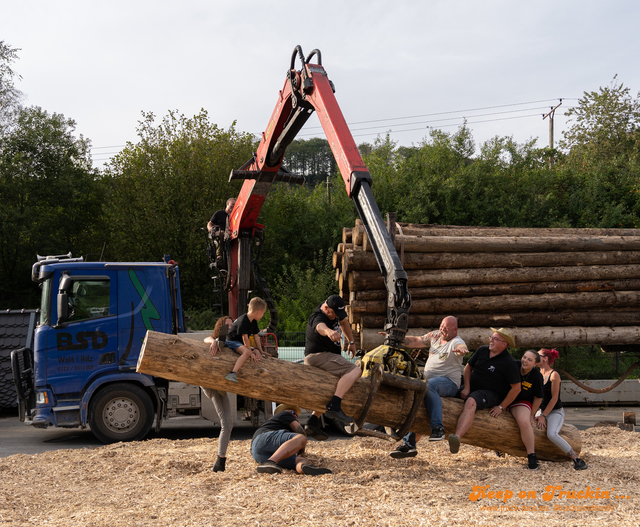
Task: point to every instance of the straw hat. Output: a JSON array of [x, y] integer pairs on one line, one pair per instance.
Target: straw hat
[[283, 407], [506, 335]]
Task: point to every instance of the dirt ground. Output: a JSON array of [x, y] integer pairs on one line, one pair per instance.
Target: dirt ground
[[170, 483]]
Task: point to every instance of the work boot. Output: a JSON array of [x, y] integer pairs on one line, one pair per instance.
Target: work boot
[[533, 461], [310, 470], [269, 467], [316, 432], [339, 415], [454, 443], [403, 451]]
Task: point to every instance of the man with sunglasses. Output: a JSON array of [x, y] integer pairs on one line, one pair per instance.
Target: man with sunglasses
[[491, 380], [280, 442], [325, 329]]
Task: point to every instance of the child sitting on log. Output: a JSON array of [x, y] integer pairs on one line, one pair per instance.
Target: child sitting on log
[[244, 327]]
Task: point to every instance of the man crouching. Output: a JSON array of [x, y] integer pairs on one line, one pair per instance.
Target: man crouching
[[280, 442]]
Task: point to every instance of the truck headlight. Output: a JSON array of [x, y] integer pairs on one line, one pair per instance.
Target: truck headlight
[[42, 398]]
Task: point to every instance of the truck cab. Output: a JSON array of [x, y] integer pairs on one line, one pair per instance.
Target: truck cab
[[93, 319]]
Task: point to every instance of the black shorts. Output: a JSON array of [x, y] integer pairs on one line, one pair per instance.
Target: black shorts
[[485, 399]]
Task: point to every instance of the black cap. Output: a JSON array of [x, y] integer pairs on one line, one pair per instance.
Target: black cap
[[336, 303]]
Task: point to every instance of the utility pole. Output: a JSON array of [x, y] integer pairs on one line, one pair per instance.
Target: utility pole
[[551, 115]]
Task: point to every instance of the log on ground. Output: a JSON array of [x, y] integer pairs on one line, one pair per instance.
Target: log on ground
[[180, 359]]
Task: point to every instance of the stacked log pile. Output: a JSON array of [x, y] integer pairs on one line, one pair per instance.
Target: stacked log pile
[[555, 287]]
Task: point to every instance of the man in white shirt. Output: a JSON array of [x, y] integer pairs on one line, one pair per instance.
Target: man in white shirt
[[443, 372]]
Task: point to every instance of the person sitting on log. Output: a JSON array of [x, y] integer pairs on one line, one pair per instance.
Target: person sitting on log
[[551, 415], [244, 327], [443, 372], [217, 226], [220, 399], [280, 442], [491, 380], [527, 403], [322, 350]]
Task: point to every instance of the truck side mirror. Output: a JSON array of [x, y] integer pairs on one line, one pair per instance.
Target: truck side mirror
[[63, 300]]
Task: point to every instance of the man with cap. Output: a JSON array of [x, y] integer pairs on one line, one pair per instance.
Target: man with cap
[[322, 350], [279, 443], [491, 380]]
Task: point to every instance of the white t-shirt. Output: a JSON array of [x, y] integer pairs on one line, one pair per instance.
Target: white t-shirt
[[442, 361]]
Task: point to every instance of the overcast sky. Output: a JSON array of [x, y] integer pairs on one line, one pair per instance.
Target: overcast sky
[[398, 66]]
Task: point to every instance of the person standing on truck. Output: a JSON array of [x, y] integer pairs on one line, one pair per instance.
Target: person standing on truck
[[217, 226], [220, 399], [443, 372], [322, 350], [238, 338], [552, 415], [491, 380], [280, 442]]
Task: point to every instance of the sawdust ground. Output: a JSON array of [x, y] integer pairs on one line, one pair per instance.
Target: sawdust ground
[[170, 483]]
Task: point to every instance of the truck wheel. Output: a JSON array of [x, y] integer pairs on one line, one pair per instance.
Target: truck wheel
[[120, 412]]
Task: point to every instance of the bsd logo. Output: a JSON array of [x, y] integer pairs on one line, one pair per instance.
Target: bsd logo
[[98, 340]]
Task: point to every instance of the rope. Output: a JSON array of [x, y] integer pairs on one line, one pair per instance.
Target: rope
[[600, 390]]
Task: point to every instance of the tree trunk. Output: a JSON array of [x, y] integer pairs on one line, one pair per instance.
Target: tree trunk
[[507, 303], [172, 357], [611, 317], [522, 288], [471, 244], [366, 261], [456, 230], [360, 280], [534, 337]]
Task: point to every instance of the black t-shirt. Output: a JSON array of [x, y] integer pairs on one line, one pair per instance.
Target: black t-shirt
[[316, 343], [496, 374], [280, 421], [242, 326], [531, 384], [219, 218]]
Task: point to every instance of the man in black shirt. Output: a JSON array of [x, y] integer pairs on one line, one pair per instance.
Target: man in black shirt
[[217, 226], [491, 380], [280, 442], [322, 350]]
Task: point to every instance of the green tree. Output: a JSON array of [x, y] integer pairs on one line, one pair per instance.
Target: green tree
[[163, 190], [9, 95], [50, 198], [311, 158]]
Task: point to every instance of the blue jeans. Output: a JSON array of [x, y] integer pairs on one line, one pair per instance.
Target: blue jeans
[[438, 387]]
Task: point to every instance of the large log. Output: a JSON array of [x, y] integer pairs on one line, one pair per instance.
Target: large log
[[180, 359], [360, 280], [534, 337], [365, 261], [610, 317], [506, 303], [458, 230], [522, 288], [463, 244]]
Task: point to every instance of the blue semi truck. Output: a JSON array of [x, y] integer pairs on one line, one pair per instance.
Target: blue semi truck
[[82, 368]]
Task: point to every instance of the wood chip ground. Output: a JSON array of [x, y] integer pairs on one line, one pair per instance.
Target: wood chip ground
[[170, 483]]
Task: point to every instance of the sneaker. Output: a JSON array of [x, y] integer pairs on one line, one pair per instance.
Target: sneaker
[[316, 432], [403, 451], [269, 467], [339, 415], [231, 377], [579, 464], [219, 465], [533, 461], [437, 434], [454, 443], [310, 470]]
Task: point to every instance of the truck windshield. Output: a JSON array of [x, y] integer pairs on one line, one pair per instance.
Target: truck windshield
[[45, 302]]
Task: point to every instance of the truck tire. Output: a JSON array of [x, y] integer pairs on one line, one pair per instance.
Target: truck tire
[[120, 412]]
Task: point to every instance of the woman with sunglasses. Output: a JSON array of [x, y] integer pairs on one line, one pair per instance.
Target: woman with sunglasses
[[551, 416]]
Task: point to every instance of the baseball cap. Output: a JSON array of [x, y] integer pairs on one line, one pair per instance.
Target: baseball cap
[[336, 303]]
